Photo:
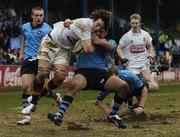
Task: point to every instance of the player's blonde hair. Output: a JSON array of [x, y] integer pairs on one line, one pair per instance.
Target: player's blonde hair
[[135, 16]]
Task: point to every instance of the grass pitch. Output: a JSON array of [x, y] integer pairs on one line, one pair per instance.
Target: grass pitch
[[84, 119]]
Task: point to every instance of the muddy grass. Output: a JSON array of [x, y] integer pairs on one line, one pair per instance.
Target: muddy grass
[[94, 125], [84, 119]]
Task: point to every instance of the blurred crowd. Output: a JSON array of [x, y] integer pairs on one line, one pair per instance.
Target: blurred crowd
[[10, 37]]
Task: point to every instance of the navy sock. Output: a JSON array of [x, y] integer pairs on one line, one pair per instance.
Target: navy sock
[[52, 85], [38, 87], [51, 95], [47, 91], [35, 99], [67, 100], [117, 103]]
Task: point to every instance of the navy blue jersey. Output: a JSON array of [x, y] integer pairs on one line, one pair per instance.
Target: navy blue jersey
[[135, 84]]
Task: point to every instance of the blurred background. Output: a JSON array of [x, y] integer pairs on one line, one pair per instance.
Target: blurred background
[[159, 17]]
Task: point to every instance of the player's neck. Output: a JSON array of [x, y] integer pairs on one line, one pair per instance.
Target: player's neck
[[34, 25], [136, 30]]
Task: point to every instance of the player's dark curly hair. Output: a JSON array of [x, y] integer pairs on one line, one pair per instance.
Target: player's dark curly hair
[[105, 15]]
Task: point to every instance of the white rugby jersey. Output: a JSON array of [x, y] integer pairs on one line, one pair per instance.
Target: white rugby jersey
[[135, 47], [66, 38]]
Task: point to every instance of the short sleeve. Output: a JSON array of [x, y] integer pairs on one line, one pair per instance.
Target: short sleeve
[[82, 28]]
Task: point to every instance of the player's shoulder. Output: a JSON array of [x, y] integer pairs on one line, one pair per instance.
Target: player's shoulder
[[82, 20], [45, 24], [126, 35], [82, 23], [144, 32], [26, 25]]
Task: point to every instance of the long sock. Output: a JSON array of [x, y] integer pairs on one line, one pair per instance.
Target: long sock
[[49, 87], [35, 99], [67, 100], [117, 103], [25, 102], [38, 87], [52, 85], [52, 95]]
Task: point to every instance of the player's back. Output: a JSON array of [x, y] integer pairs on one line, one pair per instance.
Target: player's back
[[67, 37], [133, 80]]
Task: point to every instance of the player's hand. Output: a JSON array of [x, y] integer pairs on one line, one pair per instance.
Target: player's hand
[[67, 23], [95, 40], [138, 110]]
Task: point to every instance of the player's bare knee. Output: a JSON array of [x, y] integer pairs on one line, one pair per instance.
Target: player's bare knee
[[156, 87], [78, 82], [115, 83], [26, 88]]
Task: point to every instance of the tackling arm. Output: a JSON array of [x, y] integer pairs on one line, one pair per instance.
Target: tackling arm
[[120, 52], [150, 50], [99, 102], [142, 101], [87, 46], [102, 42]]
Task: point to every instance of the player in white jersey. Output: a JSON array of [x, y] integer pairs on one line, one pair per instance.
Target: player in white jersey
[[56, 47], [135, 48]]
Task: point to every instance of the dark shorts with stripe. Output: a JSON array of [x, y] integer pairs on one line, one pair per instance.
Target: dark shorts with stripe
[[29, 66], [96, 78]]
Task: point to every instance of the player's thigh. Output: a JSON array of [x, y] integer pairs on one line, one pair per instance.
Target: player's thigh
[[116, 84], [61, 63], [60, 72], [44, 68], [44, 64], [47, 53], [146, 74], [27, 82]]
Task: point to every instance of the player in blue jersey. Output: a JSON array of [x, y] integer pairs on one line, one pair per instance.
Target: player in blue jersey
[[32, 34], [137, 87], [91, 73]]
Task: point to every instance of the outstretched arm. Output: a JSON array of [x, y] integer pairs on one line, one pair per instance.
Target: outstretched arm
[[142, 101], [99, 102], [104, 107]]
